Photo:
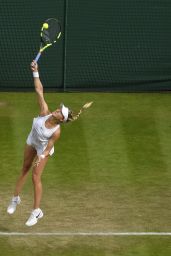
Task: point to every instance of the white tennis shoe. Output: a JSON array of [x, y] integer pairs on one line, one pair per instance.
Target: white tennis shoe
[[36, 214], [13, 204]]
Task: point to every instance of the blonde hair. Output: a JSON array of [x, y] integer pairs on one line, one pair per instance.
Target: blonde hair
[[74, 116]]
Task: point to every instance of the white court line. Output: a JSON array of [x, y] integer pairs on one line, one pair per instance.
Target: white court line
[[85, 234]]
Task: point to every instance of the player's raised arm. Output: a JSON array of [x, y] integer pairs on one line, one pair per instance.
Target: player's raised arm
[[44, 110]]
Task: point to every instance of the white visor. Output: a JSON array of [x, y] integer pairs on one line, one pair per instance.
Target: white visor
[[65, 112]]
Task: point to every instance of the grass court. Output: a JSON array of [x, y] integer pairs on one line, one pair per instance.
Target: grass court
[[111, 172]]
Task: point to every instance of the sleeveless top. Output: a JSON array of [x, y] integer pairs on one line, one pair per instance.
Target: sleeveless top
[[39, 130]]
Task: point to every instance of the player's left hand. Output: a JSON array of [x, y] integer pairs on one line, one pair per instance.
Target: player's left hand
[[37, 161], [34, 66]]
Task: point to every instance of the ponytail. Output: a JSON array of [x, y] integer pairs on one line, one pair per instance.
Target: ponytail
[[72, 116]]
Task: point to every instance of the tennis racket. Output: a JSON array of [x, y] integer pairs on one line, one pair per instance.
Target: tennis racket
[[50, 33]]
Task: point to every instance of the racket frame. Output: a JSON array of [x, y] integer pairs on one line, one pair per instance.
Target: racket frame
[[42, 48]]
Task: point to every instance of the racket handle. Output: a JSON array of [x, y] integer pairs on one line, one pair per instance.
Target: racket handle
[[37, 57]]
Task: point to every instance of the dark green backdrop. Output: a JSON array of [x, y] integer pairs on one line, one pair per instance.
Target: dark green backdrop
[[112, 45]]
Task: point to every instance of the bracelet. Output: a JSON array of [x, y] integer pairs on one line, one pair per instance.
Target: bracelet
[[35, 74], [42, 156]]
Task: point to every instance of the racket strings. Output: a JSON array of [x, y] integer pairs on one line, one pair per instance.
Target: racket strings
[[50, 34], [45, 39]]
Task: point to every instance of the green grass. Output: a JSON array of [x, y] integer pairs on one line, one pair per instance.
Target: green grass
[[125, 246], [110, 172]]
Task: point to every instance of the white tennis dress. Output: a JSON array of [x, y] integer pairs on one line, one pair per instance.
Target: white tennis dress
[[40, 135]]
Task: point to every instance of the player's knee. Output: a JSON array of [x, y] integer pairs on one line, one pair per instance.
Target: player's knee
[[36, 177], [25, 169]]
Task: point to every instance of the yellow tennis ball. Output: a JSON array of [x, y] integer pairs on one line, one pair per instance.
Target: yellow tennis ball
[[45, 26]]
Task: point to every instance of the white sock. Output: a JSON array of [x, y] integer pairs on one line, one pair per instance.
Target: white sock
[[36, 211], [15, 198]]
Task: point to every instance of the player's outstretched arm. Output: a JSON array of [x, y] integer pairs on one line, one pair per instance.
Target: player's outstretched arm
[[47, 150], [44, 110]]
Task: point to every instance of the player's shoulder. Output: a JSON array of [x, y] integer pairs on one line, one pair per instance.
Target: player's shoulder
[[45, 113], [57, 132]]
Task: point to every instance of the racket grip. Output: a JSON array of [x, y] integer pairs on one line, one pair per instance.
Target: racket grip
[[37, 57]]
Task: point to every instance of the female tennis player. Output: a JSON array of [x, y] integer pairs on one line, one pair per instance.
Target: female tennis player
[[39, 146]]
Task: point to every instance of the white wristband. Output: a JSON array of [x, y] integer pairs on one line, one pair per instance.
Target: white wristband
[[42, 156], [35, 74]]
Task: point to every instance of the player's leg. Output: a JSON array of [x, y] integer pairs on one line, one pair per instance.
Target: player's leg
[[29, 155], [36, 177]]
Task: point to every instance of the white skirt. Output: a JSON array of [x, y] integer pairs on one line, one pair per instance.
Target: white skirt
[[38, 145]]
